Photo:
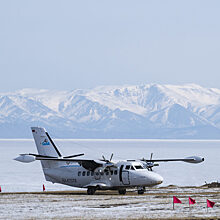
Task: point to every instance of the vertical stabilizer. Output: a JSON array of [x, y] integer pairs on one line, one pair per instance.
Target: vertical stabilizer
[[44, 143], [45, 146]]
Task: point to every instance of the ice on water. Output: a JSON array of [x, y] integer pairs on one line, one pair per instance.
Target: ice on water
[[15, 176]]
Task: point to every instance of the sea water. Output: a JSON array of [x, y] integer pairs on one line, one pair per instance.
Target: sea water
[[16, 176]]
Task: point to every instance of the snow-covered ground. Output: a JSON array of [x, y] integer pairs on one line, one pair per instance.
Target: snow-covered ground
[[154, 204]]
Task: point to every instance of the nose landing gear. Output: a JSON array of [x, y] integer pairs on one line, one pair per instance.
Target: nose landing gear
[[141, 190]]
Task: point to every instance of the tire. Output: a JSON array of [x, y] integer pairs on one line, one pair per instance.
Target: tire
[[122, 191], [91, 191], [140, 192]]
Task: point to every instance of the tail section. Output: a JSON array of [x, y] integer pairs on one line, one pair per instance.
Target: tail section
[[45, 147], [44, 143]]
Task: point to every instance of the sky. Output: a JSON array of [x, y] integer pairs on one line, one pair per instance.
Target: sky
[[70, 44]]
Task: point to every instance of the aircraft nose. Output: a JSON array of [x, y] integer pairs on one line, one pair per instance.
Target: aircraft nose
[[157, 178]]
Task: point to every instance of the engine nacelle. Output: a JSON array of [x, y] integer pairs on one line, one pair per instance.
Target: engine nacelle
[[25, 158]]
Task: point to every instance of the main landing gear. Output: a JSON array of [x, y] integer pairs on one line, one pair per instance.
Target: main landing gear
[[122, 191], [91, 190]]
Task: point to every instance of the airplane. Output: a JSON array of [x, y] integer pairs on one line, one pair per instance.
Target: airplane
[[102, 174]]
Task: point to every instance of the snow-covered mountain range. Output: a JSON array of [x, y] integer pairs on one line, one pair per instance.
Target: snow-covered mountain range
[[137, 111]]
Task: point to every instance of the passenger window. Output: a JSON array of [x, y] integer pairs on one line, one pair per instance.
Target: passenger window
[[79, 173], [92, 173], [127, 167], [84, 173], [88, 173], [115, 172]]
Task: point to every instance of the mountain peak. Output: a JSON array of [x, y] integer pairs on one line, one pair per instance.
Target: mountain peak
[[128, 111]]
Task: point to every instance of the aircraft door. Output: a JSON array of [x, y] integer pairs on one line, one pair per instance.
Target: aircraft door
[[124, 176]]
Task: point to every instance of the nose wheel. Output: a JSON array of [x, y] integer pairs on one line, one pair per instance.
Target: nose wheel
[[141, 190]]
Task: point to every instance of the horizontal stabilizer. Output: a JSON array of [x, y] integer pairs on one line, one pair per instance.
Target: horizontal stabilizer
[[75, 155], [25, 158]]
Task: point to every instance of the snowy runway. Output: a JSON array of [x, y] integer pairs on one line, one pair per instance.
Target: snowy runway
[[155, 203]]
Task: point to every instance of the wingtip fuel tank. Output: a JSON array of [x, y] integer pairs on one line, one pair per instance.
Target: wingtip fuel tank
[[194, 159]]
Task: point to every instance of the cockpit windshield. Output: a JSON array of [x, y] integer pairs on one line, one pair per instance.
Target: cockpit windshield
[[138, 167]]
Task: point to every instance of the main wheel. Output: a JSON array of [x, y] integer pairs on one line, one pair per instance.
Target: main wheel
[[122, 191], [141, 191], [91, 191]]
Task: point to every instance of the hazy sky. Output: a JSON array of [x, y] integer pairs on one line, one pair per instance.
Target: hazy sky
[[83, 44]]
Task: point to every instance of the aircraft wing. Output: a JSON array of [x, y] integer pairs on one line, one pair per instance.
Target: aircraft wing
[[86, 163], [192, 159]]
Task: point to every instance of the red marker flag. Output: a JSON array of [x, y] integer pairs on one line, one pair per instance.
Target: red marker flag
[[43, 187], [0, 189], [210, 204], [175, 200], [192, 201]]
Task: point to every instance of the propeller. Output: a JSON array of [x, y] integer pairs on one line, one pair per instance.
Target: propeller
[[109, 162], [149, 163]]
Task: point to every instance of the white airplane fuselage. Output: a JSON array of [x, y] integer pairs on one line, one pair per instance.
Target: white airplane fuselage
[[123, 175], [94, 174]]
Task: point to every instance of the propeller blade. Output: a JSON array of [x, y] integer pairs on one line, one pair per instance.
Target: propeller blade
[[103, 158], [151, 155], [111, 157]]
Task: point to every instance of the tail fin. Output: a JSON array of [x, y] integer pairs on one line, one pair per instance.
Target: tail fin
[[44, 143], [45, 146]]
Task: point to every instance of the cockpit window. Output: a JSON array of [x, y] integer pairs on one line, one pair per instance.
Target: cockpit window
[[132, 168], [138, 167], [127, 167]]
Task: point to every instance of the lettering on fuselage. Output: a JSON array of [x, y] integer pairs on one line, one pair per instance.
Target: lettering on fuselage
[[69, 180]]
